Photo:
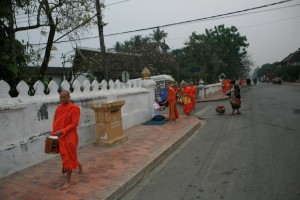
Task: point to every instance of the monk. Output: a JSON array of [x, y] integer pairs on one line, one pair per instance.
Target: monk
[[66, 119], [177, 91], [194, 94], [173, 110], [187, 99]]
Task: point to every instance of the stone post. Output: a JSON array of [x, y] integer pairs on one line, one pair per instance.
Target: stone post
[[149, 84]]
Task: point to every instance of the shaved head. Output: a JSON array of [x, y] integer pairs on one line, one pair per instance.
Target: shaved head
[[64, 96]]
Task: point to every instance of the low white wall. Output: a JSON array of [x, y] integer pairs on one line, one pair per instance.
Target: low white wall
[[204, 90], [25, 121]]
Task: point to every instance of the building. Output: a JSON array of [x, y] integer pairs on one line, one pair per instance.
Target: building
[[292, 59], [89, 59]]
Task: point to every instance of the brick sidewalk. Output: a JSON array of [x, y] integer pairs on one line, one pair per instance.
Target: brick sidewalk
[[108, 172]]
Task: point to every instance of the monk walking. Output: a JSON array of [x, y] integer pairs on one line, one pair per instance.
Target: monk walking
[[173, 110], [66, 119], [194, 94], [187, 99]]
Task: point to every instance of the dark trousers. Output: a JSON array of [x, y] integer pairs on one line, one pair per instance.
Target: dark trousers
[[158, 118]]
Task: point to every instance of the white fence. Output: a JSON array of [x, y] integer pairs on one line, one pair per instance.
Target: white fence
[[26, 120], [205, 90]]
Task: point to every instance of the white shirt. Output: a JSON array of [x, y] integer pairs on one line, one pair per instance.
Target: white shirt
[[155, 108]]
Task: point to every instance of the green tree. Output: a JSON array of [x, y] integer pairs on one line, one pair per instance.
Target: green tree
[[143, 52], [60, 16], [266, 70], [159, 36], [13, 56], [218, 50]]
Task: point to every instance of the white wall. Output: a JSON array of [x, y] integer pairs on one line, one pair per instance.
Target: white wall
[[204, 90], [25, 121]]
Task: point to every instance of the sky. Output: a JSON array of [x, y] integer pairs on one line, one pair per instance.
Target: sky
[[272, 32]]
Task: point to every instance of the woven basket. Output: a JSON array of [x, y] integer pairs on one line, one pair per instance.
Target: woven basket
[[235, 103], [220, 109]]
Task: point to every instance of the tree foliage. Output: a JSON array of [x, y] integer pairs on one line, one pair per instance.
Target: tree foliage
[[158, 37], [50, 17], [149, 52], [218, 50], [270, 71]]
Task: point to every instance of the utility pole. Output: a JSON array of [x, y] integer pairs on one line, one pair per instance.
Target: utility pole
[[101, 38]]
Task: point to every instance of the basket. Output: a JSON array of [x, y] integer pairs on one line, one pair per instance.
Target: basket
[[220, 109], [235, 103]]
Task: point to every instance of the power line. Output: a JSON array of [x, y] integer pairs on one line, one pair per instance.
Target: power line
[[270, 22], [230, 14], [201, 19]]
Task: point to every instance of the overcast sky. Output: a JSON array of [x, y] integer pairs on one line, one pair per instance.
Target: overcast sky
[[272, 32]]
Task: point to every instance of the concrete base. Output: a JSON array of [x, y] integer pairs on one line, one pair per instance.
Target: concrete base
[[109, 143]]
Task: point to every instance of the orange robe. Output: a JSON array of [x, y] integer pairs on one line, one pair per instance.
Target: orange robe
[[173, 110], [66, 118], [193, 93], [187, 100]]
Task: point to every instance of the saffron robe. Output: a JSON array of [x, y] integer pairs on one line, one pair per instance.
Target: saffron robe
[[66, 118], [173, 110], [187, 100], [194, 94]]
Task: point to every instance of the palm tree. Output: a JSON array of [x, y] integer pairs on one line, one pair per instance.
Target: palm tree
[[158, 37]]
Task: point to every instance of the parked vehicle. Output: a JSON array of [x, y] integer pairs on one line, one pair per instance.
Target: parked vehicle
[[277, 80]]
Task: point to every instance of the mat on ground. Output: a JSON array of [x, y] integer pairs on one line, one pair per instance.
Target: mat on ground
[[155, 123]]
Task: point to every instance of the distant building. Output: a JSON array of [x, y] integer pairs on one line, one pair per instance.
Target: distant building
[[292, 59], [118, 62]]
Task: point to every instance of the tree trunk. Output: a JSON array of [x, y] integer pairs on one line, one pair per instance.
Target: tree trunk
[[48, 51], [11, 33], [101, 38]]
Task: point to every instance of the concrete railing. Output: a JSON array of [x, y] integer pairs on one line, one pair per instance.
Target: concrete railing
[[205, 90], [26, 120]]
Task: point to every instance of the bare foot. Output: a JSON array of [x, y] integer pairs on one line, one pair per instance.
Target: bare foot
[[172, 122], [65, 185]]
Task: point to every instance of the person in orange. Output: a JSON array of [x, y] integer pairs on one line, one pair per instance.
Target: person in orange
[[66, 119], [173, 110], [187, 99], [194, 94], [177, 91]]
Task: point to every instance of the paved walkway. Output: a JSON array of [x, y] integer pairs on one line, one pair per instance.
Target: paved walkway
[[108, 172]]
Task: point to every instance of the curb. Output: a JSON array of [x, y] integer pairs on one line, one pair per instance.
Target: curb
[[293, 84], [130, 184], [210, 100]]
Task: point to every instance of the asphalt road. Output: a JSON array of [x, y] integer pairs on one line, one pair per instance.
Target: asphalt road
[[252, 156]]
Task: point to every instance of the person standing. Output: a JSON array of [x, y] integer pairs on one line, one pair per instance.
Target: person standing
[[236, 101], [248, 81], [187, 99], [66, 120], [173, 110], [194, 94]]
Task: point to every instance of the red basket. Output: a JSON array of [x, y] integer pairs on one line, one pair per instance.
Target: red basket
[[220, 109]]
